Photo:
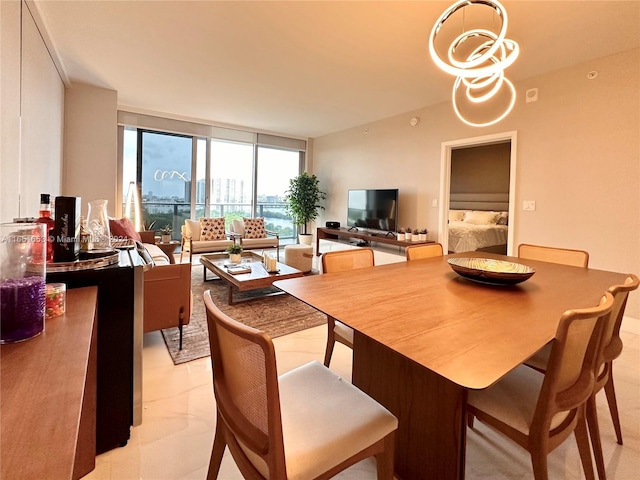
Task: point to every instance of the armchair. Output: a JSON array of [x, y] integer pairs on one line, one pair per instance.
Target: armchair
[[252, 235], [167, 297], [195, 240]]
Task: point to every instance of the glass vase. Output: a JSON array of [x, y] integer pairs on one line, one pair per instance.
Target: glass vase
[[23, 250], [98, 225]]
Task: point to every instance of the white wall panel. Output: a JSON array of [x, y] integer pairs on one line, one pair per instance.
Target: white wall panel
[[9, 109], [42, 120], [32, 94]]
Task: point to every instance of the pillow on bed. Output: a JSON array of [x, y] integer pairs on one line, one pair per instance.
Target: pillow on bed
[[475, 217], [456, 215], [503, 219]]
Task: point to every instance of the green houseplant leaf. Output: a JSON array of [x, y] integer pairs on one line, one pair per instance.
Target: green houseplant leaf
[[302, 199], [234, 249]]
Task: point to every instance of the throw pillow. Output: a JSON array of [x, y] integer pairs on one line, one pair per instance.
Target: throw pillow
[[503, 219], [456, 215], [481, 218], [122, 228], [192, 229], [212, 229], [254, 228]]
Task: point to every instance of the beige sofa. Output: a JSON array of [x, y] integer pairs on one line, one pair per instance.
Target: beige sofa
[[192, 243]]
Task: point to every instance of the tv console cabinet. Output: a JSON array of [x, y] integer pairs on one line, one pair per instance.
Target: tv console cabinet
[[324, 233]]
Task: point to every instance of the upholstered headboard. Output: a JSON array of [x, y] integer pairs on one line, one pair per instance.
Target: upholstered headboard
[[498, 202]]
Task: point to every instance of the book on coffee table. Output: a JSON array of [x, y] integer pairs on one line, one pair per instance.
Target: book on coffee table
[[238, 269]]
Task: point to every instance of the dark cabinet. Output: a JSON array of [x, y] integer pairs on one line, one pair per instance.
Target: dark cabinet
[[119, 319]]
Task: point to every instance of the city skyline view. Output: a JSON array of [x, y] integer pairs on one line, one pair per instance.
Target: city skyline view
[[166, 169]]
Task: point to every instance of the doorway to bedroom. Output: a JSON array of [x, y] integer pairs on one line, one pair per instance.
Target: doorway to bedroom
[[477, 200]]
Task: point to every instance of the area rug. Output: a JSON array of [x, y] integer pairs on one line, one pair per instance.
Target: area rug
[[275, 315]]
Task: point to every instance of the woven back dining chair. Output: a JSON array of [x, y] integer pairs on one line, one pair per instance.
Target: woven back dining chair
[[299, 425], [427, 250], [565, 256], [539, 411], [610, 348], [340, 261]]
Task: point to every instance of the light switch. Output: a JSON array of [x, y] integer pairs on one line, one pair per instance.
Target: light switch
[[434, 202], [529, 205]]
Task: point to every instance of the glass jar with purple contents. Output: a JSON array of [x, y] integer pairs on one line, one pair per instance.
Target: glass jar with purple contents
[[23, 248]]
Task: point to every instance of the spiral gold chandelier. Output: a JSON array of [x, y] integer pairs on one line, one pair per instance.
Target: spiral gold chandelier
[[477, 57]]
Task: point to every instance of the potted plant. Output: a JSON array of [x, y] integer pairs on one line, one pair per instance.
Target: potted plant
[[235, 253], [415, 235], [400, 234], [423, 235], [407, 234], [302, 202], [165, 233], [148, 225]]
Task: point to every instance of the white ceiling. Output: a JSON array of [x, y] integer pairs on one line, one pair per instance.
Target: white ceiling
[[303, 68]]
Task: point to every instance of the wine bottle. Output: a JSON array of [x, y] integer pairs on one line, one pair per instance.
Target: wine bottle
[[45, 217]]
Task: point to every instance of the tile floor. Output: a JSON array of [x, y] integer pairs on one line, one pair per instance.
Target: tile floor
[[176, 434]]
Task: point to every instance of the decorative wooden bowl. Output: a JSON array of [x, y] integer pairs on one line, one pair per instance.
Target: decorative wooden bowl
[[489, 270]]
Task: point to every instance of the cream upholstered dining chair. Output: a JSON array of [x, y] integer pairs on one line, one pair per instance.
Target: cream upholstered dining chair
[[610, 348], [565, 256], [427, 250], [340, 261], [306, 423], [539, 411]]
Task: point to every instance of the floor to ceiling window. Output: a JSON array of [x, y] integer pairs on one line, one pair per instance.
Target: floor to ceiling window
[[237, 174], [164, 176], [231, 184], [275, 167]]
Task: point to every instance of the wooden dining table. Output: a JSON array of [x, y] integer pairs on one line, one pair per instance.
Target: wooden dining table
[[424, 336]]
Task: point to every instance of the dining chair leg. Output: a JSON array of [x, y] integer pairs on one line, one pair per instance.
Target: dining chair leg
[[610, 391], [217, 451], [582, 439], [384, 460], [331, 340], [594, 434], [539, 464]]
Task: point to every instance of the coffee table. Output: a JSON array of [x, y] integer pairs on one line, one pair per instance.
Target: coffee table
[[217, 263]]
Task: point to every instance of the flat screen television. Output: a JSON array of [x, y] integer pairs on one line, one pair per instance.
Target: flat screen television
[[373, 209]]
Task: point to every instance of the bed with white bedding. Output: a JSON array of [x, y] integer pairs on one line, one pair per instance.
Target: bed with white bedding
[[471, 230], [468, 237]]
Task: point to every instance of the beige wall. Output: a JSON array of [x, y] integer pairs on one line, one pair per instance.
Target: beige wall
[[91, 147], [32, 106], [578, 157]]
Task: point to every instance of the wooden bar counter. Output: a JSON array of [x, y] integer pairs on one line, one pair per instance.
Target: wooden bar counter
[[48, 396]]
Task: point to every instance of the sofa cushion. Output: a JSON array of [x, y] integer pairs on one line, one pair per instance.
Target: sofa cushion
[[202, 246], [212, 229], [157, 255], [122, 228], [193, 229], [254, 228]]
